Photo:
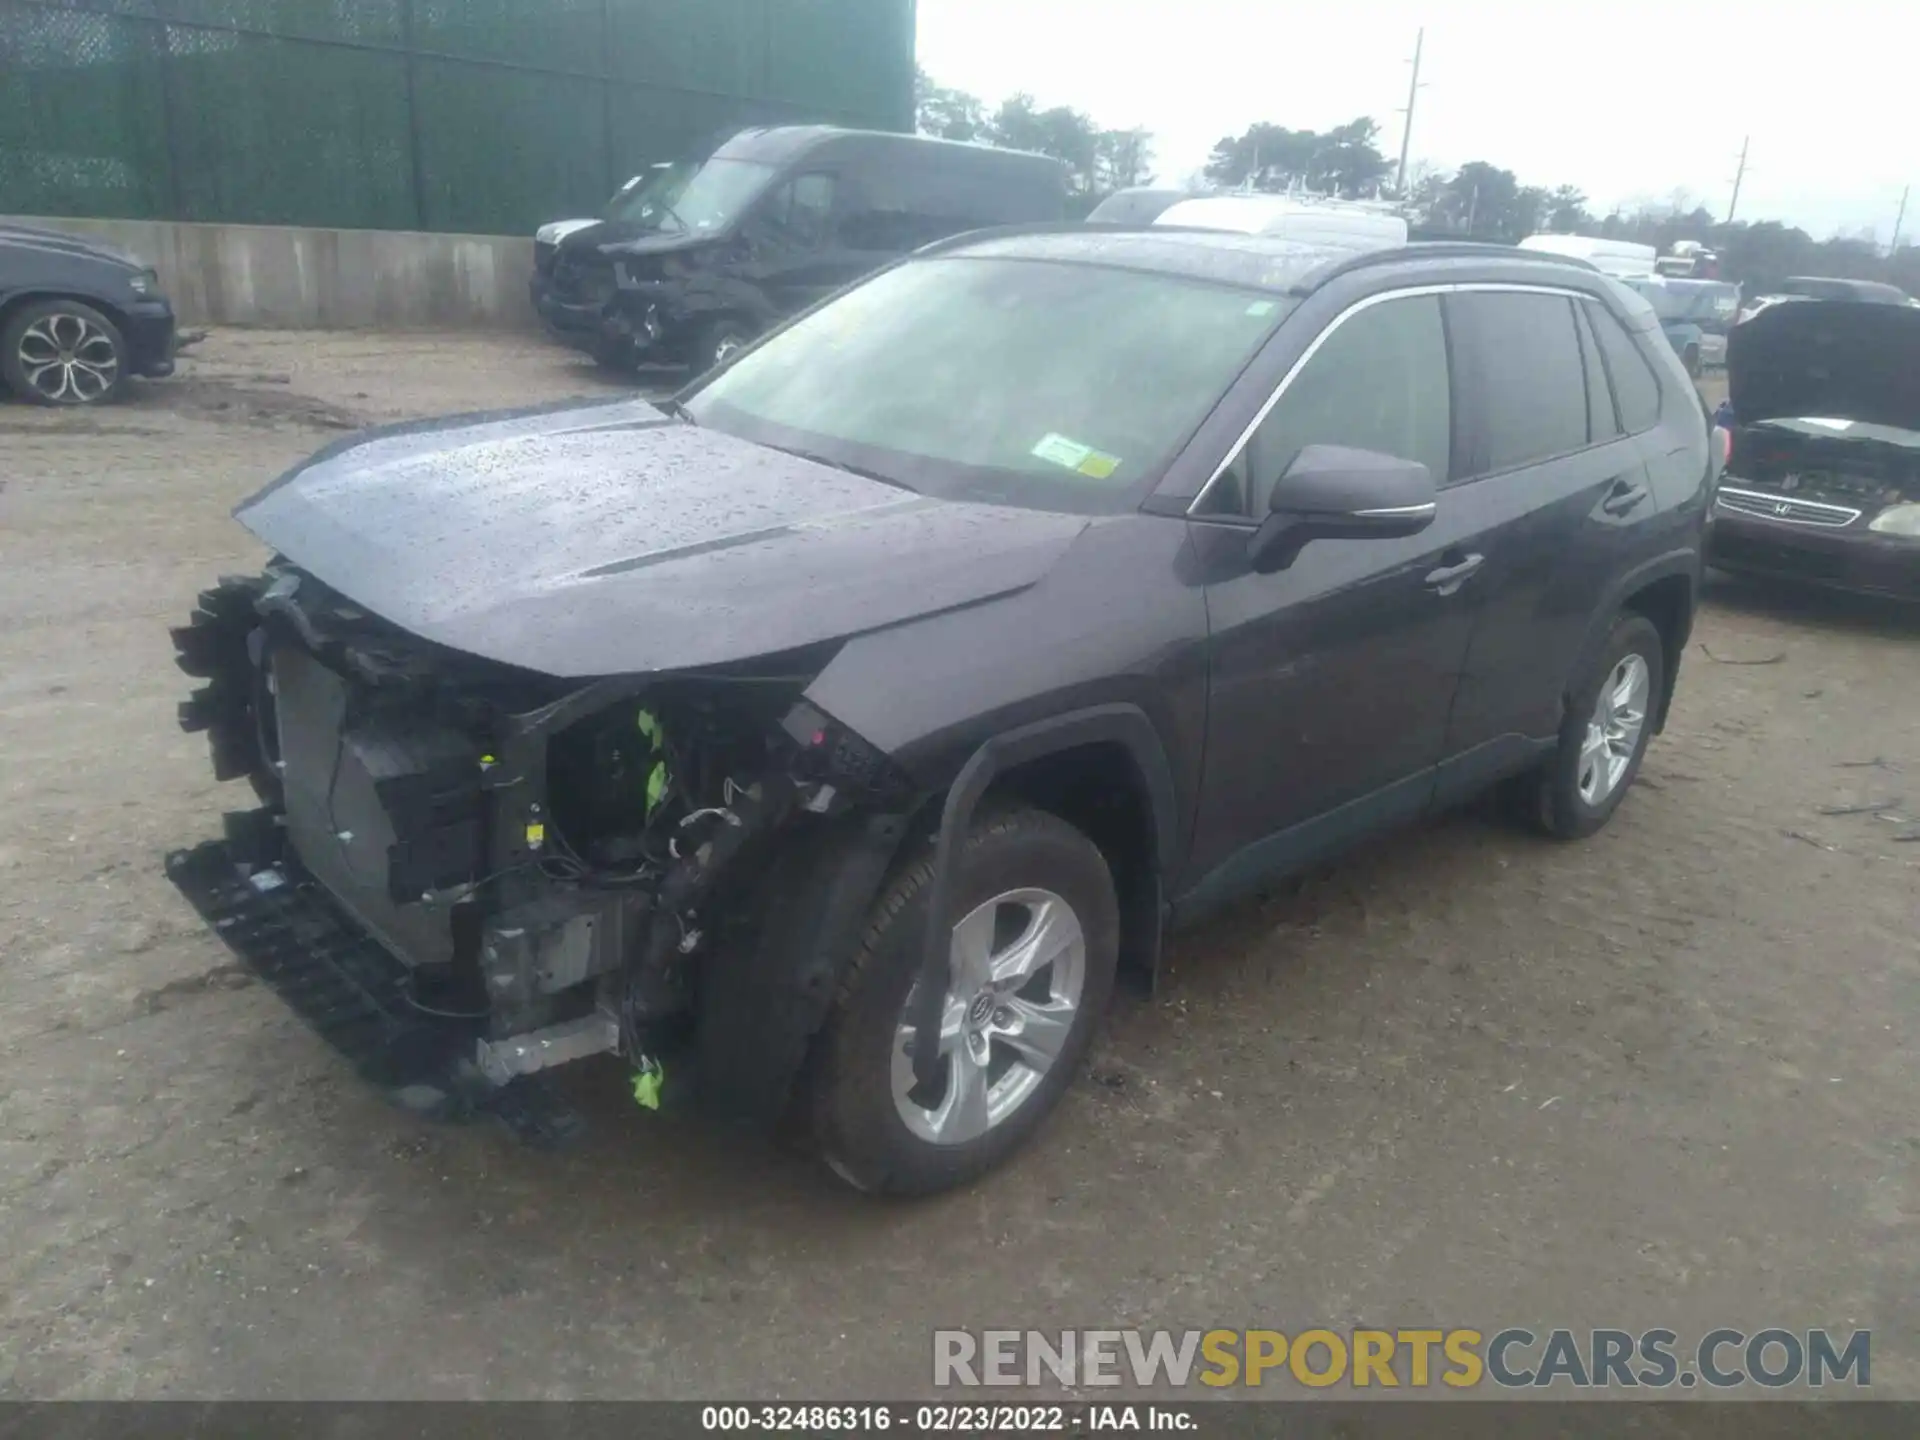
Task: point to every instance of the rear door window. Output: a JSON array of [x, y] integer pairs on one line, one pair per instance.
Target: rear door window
[[1635, 385], [1534, 386]]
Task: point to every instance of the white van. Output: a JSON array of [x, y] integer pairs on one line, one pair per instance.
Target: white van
[[1610, 257], [1340, 224]]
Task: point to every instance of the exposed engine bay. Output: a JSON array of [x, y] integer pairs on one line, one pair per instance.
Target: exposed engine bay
[[1860, 467], [561, 866]]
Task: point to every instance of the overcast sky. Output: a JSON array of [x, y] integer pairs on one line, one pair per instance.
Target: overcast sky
[[1629, 101]]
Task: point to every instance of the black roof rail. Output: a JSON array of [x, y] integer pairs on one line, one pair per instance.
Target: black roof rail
[[1337, 265], [1450, 250]]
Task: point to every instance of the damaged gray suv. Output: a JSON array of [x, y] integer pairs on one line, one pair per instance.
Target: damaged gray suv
[[822, 742]]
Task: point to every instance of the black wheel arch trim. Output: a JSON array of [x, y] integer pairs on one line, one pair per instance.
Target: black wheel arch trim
[[1685, 564], [1123, 724], [766, 999]]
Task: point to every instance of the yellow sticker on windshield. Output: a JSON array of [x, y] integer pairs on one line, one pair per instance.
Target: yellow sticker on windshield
[[1095, 464], [1061, 451]]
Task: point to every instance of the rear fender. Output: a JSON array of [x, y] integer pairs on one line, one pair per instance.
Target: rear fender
[[1681, 563]]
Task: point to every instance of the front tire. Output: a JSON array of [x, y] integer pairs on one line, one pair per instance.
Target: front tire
[[720, 342], [1609, 720], [61, 352], [1035, 946], [616, 357]]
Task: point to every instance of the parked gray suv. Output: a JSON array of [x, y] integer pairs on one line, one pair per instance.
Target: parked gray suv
[[824, 740]]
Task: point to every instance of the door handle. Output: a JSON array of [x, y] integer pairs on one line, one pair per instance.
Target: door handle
[[1449, 578], [1623, 497]]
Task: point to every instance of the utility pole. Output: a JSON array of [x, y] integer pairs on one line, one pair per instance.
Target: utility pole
[[1738, 176], [1406, 131], [1899, 220]]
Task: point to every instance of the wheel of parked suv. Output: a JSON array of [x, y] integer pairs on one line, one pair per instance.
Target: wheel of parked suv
[[615, 355], [724, 339], [1609, 721], [1690, 358], [60, 352], [1034, 947]]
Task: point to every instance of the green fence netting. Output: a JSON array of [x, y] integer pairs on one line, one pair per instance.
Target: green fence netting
[[458, 115]]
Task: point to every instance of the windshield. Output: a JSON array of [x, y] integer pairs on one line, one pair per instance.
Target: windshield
[[641, 200], [678, 198], [1023, 382]]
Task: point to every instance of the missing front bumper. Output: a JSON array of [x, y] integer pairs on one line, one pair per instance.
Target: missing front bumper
[[356, 997]]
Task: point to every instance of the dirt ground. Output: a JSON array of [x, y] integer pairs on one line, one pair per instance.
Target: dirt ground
[[1668, 1077]]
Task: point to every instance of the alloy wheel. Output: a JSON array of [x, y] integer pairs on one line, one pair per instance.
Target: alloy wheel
[[1613, 731], [1017, 973], [68, 359]]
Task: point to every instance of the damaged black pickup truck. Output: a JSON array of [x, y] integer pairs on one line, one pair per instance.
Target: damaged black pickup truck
[[824, 740]]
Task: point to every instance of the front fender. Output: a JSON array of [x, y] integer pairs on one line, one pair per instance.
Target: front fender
[[1122, 724]]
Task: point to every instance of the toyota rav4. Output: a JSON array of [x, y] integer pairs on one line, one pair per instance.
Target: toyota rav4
[[823, 741]]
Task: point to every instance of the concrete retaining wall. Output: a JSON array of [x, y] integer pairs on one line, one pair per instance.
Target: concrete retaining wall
[[311, 279]]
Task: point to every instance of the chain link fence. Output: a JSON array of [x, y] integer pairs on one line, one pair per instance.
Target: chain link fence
[[478, 116]]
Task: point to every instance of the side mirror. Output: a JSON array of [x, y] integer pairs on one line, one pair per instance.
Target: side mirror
[[1331, 492]]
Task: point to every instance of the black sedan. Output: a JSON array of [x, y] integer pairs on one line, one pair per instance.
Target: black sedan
[[77, 318]]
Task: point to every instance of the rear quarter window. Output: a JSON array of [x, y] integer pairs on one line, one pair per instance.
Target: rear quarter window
[[1635, 385], [1602, 421]]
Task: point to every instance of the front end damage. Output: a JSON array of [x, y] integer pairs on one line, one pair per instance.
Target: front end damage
[[474, 872]]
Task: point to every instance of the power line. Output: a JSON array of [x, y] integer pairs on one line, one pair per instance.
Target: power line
[[1406, 132], [1899, 220]]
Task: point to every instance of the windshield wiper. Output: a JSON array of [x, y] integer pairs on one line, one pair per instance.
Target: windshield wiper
[[860, 470], [674, 408]]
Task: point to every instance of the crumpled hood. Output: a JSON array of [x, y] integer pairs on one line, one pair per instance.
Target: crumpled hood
[[609, 539], [1837, 359], [630, 237]]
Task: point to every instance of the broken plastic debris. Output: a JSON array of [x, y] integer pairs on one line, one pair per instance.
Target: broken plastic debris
[[647, 1082]]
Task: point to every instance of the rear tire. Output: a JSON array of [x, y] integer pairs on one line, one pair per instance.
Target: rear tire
[[882, 1141], [1601, 744], [61, 352]]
